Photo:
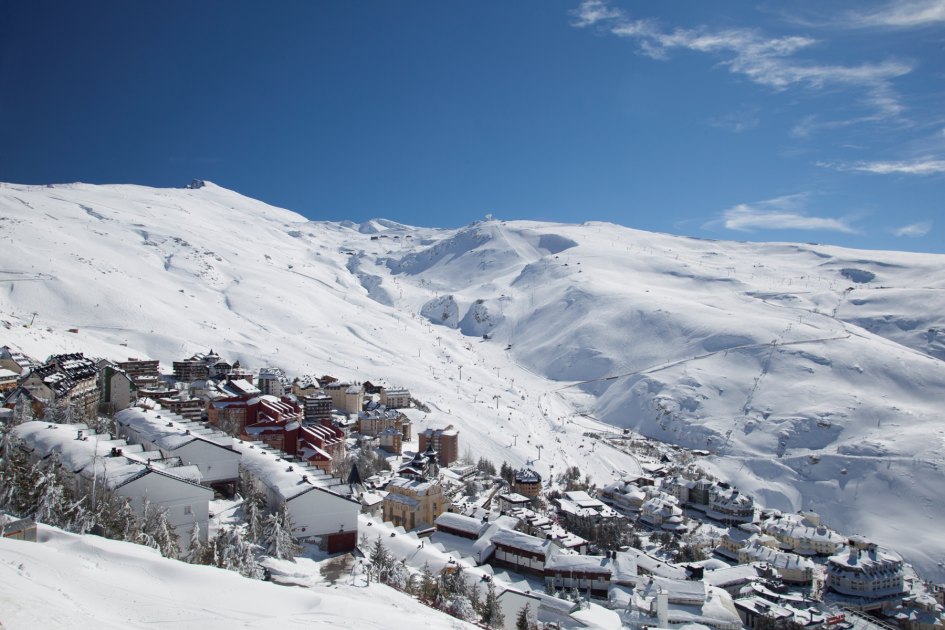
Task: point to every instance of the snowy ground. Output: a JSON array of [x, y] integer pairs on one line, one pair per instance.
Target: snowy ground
[[814, 373], [70, 581]]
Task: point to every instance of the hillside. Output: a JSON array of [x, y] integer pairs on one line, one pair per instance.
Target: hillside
[[814, 374]]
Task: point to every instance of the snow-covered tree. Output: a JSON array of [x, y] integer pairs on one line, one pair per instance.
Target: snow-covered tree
[[490, 611], [381, 560], [254, 504], [158, 532], [522, 622], [278, 535], [428, 585], [196, 550]]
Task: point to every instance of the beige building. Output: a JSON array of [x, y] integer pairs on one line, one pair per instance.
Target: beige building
[[444, 441], [414, 504]]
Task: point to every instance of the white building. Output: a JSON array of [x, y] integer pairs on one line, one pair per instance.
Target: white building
[[208, 449], [315, 501], [663, 511], [803, 534], [97, 464], [865, 572], [791, 567]]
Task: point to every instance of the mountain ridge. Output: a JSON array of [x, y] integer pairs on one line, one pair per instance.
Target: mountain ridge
[[769, 355]]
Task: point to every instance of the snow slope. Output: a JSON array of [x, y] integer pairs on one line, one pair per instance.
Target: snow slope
[[71, 581], [814, 373]]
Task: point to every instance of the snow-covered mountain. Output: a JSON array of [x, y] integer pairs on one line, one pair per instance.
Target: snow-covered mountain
[[815, 374]]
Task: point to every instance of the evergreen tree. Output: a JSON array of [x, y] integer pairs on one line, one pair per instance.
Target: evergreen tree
[[163, 534], [52, 505], [254, 504], [491, 612], [522, 622], [196, 550], [380, 559], [428, 586], [278, 535]]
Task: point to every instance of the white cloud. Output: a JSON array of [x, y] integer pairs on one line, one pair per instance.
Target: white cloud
[[921, 166], [900, 14], [914, 230], [780, 213], [739, 121], [767, 61]]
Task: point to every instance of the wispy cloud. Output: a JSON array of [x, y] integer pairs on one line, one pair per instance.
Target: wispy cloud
[[899, 14], [780, 213], [921, 166], [914, 230], [739, 121], [766, 61]]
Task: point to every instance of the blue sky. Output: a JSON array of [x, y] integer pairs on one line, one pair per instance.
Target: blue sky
[[811, 121]]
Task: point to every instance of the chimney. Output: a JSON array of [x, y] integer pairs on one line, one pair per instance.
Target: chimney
[[662, 609]]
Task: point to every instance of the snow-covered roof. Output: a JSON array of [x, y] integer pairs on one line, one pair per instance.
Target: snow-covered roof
[[81, 451], [518, 540], [460, 523], [288, 479], [167, 430], [577, 562]]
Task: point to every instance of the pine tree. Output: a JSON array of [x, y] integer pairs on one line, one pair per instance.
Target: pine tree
[[428, 586], [522, 622], [196, 550], [254, 503], [51, 503], [278, 535], [164, 535], [491, 611], [144, 535], [380, 560]]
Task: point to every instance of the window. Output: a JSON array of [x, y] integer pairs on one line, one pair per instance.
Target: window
[[188, 510]]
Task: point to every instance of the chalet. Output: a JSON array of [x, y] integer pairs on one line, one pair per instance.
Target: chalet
[[414, 504], [587, 574], [317, 506], [444, 441], [96, 463], [161, 430], [68, 379]]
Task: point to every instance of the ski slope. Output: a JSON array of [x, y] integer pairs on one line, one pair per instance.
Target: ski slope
[[814, 374]]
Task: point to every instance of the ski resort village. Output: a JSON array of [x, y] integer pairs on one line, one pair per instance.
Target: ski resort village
[[311, 481]]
